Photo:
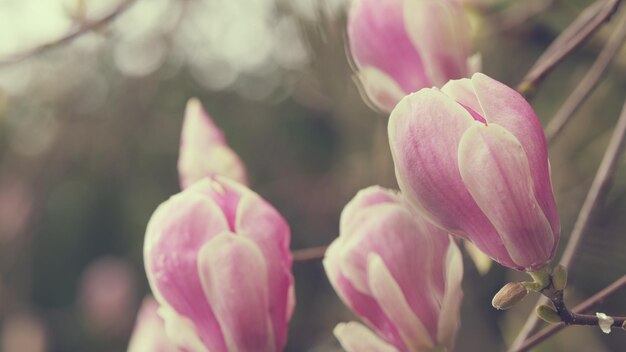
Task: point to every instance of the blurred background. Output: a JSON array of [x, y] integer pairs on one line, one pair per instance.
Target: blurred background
[[89, 133]]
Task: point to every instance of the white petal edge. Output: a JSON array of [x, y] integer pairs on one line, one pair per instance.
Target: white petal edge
[[449, 320], [389, 296], [355, 337]]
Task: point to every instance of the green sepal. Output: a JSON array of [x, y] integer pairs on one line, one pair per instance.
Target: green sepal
[[559, 278], [548, 314]]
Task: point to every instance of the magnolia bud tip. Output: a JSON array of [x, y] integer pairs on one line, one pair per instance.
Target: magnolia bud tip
[[509, 295]]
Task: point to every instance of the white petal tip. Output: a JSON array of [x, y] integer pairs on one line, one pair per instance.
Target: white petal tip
[[605, 322]]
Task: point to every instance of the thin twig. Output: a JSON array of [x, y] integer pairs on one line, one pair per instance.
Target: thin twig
[[581, 308], [301, 255], [588, 83], [84, 27], [595, 198], [569, 317], [573, 37]]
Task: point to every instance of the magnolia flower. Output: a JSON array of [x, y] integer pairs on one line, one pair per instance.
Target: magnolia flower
[[401, 46], [218, 262], [472, 158], [149, 333], [203, 149], [400, 274]]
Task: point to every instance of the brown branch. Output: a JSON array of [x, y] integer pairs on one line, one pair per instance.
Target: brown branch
[[581, 308], [301, 255], [595, 198], [571, 318], [588, 83], [84, 27], [572, 37]]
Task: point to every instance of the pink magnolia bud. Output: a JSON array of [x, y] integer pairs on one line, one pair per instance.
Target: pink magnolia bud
[[401, 46], [149, 333], [400, 274], [472, 158], [218, 262], [203, 149]]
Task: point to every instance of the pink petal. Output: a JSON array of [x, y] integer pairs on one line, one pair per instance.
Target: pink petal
[[353, 212], [462, 91], [424, 131], [389, 231], [507, 108], [355, 337], [365, 306], [203, 149], [149, 331], [381, 90], [224, 192], [495, 169], [175, 234], [378, 38], [234, 277], [392, 300], [440, 31], [261, 223], [449, 317], [181, 331]]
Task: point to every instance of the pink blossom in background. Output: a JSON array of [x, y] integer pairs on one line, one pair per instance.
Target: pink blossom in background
[[401, 46], [472, 158], [149, 333], [203, 149], [16, 204], [218, 262], [398, 273], [24, 332], [107, 296]]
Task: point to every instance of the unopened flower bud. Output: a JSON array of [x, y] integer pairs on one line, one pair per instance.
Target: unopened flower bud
[[509, 295], [405, 285], [204, 151], [400, 47], [559, 278], [472, 159], [548, 314]]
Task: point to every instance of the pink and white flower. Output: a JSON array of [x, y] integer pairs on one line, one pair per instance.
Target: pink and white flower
[[472, 158], [399, 273], [218, 262], [401, 46]]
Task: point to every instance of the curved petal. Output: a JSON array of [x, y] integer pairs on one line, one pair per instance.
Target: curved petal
[[378, 38], [175, 234], [353, 211], [258, 221], [389, 295], [355, 337], [440, 31], [365, 306], [234, 278], [149, 333], [379, 88], [203, 149], [224, 192], [495, 169], [507, 108], [181, 331], [390, 231], [424, 132], [449, 319], [462, 91]]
